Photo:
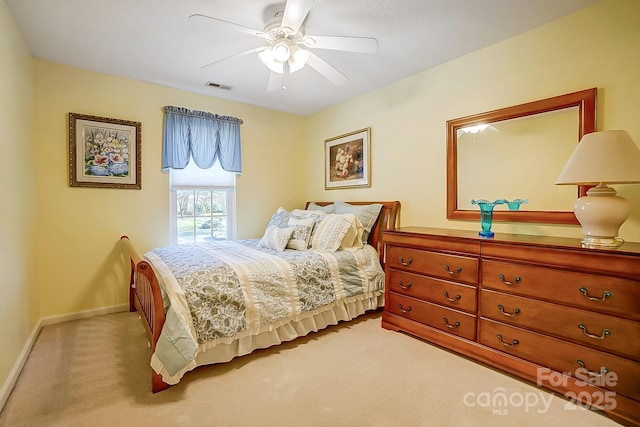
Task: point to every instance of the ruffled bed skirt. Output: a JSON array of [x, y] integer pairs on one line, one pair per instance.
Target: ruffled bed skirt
[[315, 321]]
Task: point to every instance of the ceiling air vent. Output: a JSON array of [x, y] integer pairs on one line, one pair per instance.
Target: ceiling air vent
[[218, 86]]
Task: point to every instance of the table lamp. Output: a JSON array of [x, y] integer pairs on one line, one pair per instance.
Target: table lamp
[[601, 158]]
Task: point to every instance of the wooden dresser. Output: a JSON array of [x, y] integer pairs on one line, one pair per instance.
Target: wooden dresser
[[544, 309]]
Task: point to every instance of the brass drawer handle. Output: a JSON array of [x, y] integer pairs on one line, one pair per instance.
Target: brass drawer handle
[[403, 286], [516, 311], [506, 344], [452, 300], [603, 370], [508, 283], [452, 273], [405, 263], [404, 310], [605, 332], [605, 295], [448, 325]]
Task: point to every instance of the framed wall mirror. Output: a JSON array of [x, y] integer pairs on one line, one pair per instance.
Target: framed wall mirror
[[517, 153]]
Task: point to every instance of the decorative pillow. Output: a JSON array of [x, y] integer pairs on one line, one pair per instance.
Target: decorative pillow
[[302, 213], [328, 208], [276, 238], [353, 238], [301, 236], [367, 214], [316, 215], [331, 231], [280, 218]]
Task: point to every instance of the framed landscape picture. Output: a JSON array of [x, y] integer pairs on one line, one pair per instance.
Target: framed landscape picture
[[104, 152], [347, 160]]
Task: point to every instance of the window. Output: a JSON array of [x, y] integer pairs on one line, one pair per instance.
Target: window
[[202, 200], [202, 204]]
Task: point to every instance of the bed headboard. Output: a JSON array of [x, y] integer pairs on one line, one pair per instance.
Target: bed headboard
[[387, 218]]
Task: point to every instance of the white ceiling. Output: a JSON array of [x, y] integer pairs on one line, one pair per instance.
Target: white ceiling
[[155, 41]]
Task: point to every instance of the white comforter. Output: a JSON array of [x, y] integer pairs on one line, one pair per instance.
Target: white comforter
[[237, 296]]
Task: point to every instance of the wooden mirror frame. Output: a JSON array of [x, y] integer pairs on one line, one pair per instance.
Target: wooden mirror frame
[[585, 100]]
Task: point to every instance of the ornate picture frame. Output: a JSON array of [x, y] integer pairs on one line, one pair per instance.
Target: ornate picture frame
[[104, 152], [347, 160]]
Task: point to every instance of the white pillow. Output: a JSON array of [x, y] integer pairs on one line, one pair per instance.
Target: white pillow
[[353, 238], [367, 214], [327, 208], [303, 213], [276, 238], [301, 236], [331, 231]]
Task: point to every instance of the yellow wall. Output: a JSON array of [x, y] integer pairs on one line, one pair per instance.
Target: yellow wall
[[596, 47], [79, 260], [17, 312]]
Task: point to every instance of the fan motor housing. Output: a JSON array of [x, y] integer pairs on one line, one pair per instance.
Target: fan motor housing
[[274, 31]]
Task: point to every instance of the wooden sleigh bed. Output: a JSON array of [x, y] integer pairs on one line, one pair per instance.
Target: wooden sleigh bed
[[148, 286]]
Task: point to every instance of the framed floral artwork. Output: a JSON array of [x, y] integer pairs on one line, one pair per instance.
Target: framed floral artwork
[[104, 152], [347, 160]]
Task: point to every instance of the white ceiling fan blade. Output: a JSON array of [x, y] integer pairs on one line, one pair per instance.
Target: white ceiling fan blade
[[231, 25], [295, 11], [327, 70], [350, 44], [246, 52]]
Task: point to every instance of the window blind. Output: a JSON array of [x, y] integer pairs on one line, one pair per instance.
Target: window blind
[[192, 177]]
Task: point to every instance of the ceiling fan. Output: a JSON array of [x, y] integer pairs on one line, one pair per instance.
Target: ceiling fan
[[288, 47]]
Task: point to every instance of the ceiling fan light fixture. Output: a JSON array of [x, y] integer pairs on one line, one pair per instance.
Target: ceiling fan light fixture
[[267, 57], [474, 129], [274, 57], [299, 58], [281, 51]]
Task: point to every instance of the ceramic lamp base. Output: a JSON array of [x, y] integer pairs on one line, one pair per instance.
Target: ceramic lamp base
[[601, 213]]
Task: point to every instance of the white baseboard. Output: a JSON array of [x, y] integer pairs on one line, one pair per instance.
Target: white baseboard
[[8, 385], [52, 320]]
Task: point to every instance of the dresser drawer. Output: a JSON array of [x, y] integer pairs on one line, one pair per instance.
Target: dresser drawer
[[591, 291], [445, 266], [452, 321], [443, 292], [608, 333], [581, 362]]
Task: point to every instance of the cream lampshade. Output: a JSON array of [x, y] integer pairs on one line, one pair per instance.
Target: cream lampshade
[[601, 158]]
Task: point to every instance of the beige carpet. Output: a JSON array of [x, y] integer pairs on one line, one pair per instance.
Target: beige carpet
[[95, 372]]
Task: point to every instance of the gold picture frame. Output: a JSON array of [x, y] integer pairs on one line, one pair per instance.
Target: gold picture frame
[[347, 160], [104, 152]]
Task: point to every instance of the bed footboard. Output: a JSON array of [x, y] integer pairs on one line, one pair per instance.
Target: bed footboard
[[146, 298]]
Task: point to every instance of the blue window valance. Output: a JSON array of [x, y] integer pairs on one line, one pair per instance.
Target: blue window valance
[[203, 136]]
